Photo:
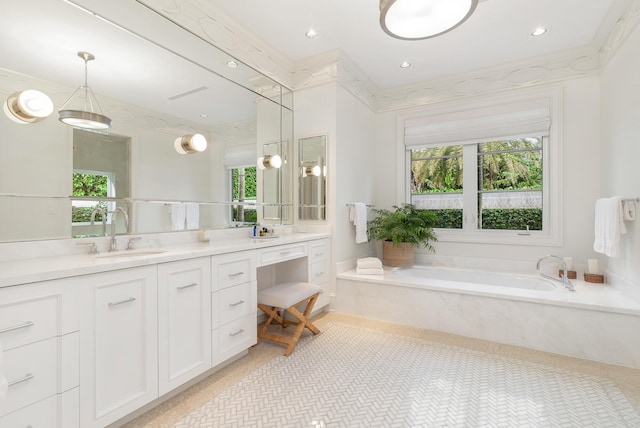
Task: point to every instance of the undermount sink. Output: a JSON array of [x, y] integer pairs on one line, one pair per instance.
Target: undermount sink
[[131, 253]]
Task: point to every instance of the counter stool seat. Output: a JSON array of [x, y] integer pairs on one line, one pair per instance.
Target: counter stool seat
[[287, 296]]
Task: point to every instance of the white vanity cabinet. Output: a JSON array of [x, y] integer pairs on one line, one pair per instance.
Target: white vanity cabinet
[[234, 304], [319, 269], [39, 335], [184, 321], [118, 343]]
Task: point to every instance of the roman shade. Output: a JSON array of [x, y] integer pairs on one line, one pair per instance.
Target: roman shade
[[514, 120], [239, 156]]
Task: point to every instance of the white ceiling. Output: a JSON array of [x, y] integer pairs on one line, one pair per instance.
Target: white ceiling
[[497, 33]]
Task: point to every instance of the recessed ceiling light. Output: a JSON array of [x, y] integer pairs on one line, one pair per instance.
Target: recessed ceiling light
[[232, 64], [311, 33], [405, 64], [539, 31], [204, 115]]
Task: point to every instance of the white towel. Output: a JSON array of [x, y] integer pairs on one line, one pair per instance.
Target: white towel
[[369, 263], [629, 210], [178, 215], [370, 271], [193, 215], [3, 380], [359, 218], [609, 226]]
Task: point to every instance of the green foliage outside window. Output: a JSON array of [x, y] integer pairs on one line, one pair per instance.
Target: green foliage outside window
[[89, 185]]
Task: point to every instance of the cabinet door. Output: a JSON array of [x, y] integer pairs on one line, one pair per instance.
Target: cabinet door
[[118, 343], [184, 321]]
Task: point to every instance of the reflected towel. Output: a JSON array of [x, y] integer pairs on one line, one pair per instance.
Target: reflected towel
[[359, 218], [629, 210], [371, 271], [193, 215], [609, 226], [178, 215], [369, 263]]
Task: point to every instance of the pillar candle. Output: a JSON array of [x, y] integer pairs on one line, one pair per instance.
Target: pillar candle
[[569, 262], [592, 266]]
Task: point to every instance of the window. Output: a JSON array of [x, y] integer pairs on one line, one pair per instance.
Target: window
[[490, 171], [91, 184], [243, 189], [503, 190]]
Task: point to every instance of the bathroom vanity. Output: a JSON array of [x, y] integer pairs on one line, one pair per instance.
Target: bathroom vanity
[[89, 339]]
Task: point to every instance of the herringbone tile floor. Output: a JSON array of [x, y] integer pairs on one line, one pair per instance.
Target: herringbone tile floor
[[360, 373]]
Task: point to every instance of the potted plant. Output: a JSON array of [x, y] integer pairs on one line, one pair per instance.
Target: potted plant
[[401, 230]]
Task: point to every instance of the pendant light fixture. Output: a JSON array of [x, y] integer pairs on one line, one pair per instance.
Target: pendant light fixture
[[28, 106], [189, 144], [422, 19], [86, 118]]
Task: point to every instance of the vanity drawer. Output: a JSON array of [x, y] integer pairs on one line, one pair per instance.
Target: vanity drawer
[[232, 269], [268, 256], [32, 373], [319, 272], [237, 302], [237, 336], [318, 250], [59, 411], [27, 321]]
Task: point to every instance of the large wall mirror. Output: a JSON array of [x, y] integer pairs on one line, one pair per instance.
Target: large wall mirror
[[312, 177], [157, 82]]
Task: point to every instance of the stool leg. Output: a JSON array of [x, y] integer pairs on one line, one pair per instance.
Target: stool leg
[[271, 314], [303, 322]]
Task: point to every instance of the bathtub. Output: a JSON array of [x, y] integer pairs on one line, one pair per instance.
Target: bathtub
[[596, 322]]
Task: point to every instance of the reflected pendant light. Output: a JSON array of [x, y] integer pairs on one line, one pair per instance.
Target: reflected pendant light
[[28, 106], [189, 144], [422, 19], [87, 118]]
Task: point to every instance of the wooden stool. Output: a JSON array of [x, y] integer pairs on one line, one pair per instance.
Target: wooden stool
[[287, 296]]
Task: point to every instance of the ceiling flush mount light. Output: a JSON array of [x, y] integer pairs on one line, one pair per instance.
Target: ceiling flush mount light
[[191, 143], [86, 118], [405, 64], [417, 20], [28, 106], [269, 161]]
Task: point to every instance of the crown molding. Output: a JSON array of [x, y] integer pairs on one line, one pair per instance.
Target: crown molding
[[620, 31]]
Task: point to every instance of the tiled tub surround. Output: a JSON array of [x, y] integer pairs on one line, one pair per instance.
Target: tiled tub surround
[[596, 322]]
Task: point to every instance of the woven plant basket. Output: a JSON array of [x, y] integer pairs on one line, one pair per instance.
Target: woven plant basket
[[402, 255]]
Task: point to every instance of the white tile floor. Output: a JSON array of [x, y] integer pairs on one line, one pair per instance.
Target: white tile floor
[[355, 376]]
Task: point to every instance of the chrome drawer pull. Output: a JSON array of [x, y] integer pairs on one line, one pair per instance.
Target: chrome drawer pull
[[26, 377], [16, 327], [319, 254], [231, 275], [319, 273], [284, 253], [237, 332], [239, 302], [182, 287], [130, 299]]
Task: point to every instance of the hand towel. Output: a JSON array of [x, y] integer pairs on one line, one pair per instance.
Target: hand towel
[[178, 215], [609, 226], [370, 271], [193, 215], [360, 221], [629, 210], [369, 263]]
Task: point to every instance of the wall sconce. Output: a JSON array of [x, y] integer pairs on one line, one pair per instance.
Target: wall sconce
[[28, 106], [191, 143], [269, 161], [86, 118], [311, 170]]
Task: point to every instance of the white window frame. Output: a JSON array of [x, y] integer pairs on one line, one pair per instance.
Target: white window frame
[[551, 235]]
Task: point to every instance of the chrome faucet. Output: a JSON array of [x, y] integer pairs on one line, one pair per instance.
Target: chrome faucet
[[98, 210], [113, 245], [565, 278]]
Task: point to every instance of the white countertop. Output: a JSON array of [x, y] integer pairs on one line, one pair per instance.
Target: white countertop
[[28, 270]]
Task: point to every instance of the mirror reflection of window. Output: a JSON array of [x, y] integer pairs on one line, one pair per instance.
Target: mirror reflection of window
[[243, 191], [312, 177]]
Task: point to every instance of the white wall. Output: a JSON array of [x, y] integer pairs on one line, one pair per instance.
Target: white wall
[[580, 169], [621, 145]]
